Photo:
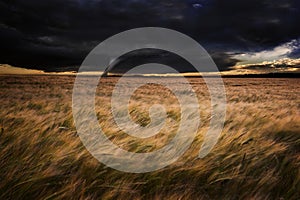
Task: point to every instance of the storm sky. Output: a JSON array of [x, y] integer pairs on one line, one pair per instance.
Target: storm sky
[[57, 35]]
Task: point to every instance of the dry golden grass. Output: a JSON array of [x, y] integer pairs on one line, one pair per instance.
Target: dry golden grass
[[257, 156]]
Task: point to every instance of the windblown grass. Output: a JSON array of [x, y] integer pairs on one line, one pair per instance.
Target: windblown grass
[[257, 156]]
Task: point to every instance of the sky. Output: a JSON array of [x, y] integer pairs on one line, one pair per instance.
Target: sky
[[56, 35]]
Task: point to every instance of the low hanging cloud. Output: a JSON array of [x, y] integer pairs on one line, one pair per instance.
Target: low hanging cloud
[[282, 51]]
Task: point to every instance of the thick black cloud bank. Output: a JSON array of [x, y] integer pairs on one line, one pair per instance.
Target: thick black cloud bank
[[56, 35]]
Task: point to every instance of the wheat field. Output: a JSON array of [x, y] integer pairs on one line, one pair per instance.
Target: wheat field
[[256, 157]]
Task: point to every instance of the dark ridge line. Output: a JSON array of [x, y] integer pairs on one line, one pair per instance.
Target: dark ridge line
[[269, 75]]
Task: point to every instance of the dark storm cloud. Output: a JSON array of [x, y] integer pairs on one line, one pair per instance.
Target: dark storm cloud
[[55, 34]]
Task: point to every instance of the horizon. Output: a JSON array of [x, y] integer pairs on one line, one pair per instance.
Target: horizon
[[283, 65]]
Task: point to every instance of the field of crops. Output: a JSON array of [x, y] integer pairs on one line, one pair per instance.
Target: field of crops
[[256, 157]]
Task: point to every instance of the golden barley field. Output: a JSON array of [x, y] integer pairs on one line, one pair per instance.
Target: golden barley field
[[256, 157]]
